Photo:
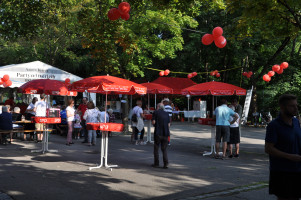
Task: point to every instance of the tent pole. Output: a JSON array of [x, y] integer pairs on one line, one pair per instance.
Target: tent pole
[[148, 101], [212, 105], [155, 101]]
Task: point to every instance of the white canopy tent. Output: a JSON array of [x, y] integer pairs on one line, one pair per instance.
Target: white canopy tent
[[22, 73]]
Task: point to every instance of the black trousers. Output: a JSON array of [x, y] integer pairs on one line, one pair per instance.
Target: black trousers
[[163, 140]]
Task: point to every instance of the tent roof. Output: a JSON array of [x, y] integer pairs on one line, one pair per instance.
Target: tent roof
[[22, 73], [177, 84], [155, 88], [214, 88]]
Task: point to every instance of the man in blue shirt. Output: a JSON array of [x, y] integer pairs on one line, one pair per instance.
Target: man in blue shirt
[[161, 121], [283, 144], [222, 115]]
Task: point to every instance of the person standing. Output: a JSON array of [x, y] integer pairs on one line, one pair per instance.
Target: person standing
[[70, 120], [29, 114], [168, 109], [222, 115], [283, 144], [40, 108], [237, 106], [92, 115], [161, 121], [82, 108], [234, 136], [138, 127]]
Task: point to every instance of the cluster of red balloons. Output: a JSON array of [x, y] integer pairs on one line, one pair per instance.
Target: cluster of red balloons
[[191, 75], [5, 81], [216, 36], [122, 11], [215, 73], [164, 73], [276, 68], [247, 74]]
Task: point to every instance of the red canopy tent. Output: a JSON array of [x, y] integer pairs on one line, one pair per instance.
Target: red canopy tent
[[214, 88], [176, 84]]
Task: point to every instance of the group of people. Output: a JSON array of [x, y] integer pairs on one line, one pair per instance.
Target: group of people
[[227, 128], [77, 120]]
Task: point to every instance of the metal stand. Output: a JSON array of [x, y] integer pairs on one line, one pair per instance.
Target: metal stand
[[45, 142], [213, 151], [104, 153], [149, 134]]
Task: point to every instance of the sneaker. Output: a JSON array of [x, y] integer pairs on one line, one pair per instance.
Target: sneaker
[[236, 156], [142, 143], [136, 143], [231, 156]]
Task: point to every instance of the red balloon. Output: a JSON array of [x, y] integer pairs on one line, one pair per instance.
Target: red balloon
[[207, 39], [1, 82], [194, 73], [220, 42], [8, 83], [4, 84], [217, 31], [166, 72], [284, 65], [245, 73], [217, 75], [125, 16], [189, 76], [113, 14], [161, 73], [280, 71], [276, 68], [266, 78], [271, 73], [5, 78], [124, 7], [67, 80], [250, 73]]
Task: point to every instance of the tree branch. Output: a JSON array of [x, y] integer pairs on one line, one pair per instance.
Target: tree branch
[[295, 15]]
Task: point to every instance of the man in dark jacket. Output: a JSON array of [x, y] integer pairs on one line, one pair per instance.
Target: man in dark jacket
[[161, 121], [6, 121]]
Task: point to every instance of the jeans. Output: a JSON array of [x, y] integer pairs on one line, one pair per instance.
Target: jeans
[[84, 129], [70, 130], [136, 133], [92, 136]]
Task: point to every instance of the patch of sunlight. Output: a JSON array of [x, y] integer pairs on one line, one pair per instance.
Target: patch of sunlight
[[15, 193]]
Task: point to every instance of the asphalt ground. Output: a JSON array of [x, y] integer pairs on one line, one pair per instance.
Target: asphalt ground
[[65, 175]]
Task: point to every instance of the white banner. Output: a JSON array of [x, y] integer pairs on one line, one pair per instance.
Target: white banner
[[246, 106]]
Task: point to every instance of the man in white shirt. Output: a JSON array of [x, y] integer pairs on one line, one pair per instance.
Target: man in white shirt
[[138, 127], [40, 108]]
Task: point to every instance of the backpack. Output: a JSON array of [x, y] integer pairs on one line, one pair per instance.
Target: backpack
[[134, 118]]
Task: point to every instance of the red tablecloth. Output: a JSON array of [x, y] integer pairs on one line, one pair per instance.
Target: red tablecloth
[[207, 121], [47, 120], [114, 127], [148, 116]]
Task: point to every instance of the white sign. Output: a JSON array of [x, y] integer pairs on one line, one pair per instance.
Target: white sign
[[245, 112]]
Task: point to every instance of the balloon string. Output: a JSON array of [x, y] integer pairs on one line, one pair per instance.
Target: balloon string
[[190, 72]]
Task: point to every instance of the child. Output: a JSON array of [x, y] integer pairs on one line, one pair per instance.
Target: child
[[77, 126]]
